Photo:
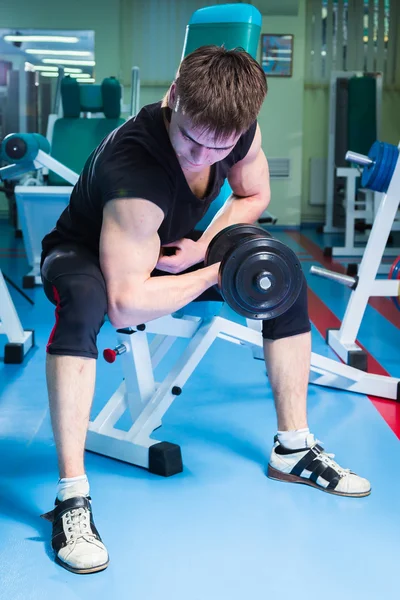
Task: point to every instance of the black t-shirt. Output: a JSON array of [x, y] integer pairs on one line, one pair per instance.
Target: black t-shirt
[[137, 160]]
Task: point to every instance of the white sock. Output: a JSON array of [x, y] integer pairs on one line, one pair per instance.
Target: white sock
[[69, 487], [294, 440]]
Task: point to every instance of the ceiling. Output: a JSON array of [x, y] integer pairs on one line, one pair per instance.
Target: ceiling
[[85, 44]]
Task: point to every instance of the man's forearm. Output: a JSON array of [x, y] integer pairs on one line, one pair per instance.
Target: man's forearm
[[159, 296], [235, 210]]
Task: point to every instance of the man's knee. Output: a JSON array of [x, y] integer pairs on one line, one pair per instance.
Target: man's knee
[[293, 322], [83, 302], [81, 306]]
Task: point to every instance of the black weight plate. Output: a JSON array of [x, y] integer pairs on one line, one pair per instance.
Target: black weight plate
[[241, 268], [227, 238]]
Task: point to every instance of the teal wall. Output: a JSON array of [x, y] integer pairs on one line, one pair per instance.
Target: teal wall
[[281, 119]]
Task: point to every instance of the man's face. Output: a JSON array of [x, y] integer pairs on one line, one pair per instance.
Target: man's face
[[197, 149]]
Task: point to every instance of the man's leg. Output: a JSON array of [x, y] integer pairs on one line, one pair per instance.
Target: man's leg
[[296, 456], [73, 281], [70, 384], [288, 364]]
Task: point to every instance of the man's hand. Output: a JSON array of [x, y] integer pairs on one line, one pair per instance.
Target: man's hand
[[187, 253]]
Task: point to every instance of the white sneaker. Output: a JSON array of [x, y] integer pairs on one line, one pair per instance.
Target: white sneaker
[[75, 539], [313, 466]]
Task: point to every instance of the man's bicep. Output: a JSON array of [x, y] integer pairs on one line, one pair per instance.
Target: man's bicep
[[129, 243]]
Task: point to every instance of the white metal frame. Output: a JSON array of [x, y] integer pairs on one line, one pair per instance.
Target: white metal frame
[[10, 325], [147, 401], [343, 340], [366, 209]]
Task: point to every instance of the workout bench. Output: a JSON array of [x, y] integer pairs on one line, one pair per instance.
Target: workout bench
[[146, 401]]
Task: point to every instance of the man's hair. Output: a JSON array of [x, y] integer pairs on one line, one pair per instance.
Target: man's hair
[[221, 90]]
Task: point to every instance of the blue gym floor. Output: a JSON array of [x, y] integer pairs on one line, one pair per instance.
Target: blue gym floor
[[220, 530]]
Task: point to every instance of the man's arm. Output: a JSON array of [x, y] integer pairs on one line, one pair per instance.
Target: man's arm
[[129, 250], [249, 180]]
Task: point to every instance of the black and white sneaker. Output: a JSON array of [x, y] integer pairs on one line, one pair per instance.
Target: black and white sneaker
[[313, 466], [75, 539]]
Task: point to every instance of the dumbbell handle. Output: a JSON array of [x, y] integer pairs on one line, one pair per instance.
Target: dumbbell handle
[[359, 159], [346, 280]]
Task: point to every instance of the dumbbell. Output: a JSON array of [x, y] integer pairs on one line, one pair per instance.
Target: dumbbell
[[259, 276]]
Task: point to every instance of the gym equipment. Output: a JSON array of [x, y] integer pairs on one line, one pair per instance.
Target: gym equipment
[[355, 114], [73, 138], [383, 173], [378, 166], [352, 282], [29, 152], [23, 147], [259, 277], [70, 140], [20, 341], [140, 402], [354, 96], [231, 25]]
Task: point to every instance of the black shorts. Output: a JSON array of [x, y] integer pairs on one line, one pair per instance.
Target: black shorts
[[73, 281]]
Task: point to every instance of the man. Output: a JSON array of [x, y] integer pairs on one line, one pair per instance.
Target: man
[[145, 188]]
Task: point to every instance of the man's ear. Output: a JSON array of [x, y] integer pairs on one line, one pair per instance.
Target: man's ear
[[172, 97]]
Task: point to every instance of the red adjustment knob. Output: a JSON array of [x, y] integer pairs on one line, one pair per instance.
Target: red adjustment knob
[[109, 355]]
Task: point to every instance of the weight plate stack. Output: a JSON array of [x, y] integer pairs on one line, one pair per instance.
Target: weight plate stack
[[377, 176]]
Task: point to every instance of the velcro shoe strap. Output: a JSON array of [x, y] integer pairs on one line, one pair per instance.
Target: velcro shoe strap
[[70, 504], [317, 469], [306, 460], [62, 507]]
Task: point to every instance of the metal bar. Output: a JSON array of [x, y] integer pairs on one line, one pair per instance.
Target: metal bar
[[135, 91], [333, 276], [359, 159]]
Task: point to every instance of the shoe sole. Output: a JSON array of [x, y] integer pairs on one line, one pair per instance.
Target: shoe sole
[[288, 478], [81, 571]]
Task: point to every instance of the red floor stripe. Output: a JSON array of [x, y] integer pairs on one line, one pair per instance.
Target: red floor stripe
[[383, 306], [323, 318]]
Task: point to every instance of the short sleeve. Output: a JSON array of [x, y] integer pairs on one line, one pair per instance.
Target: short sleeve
[[244, 143], [134, 173]]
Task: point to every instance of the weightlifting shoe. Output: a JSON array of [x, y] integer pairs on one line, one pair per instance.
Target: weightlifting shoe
[[75, 539], [313, 466]]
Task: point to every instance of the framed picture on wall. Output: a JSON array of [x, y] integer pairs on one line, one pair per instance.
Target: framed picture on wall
[[277, 54]]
